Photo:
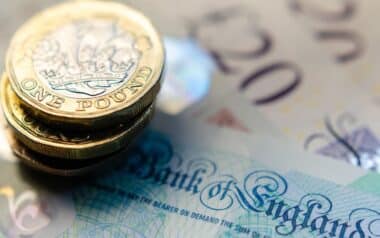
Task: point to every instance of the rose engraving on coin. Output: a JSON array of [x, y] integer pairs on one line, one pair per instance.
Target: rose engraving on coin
[[86, 58]]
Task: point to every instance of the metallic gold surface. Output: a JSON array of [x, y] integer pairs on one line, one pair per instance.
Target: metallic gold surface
[[41, 138], [65, 168], [86, 63]]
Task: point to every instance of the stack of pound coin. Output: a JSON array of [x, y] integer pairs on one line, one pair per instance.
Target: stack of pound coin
[[80, 84]]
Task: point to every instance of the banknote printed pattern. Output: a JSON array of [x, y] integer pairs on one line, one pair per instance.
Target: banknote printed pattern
[[343, 139], [290, 88], [330, 22], [166, 191], [31, 210], [20, 207], [341, 29]]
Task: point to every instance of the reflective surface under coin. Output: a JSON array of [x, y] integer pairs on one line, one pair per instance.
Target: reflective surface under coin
[[69, 145], [85, 63]]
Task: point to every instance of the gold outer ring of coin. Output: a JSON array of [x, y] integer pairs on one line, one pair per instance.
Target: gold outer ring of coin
[[51, 142], [96, 84], [48, 165], [33, 160]]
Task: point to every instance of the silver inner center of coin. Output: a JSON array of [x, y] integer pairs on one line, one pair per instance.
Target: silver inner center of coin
[[86, 58]]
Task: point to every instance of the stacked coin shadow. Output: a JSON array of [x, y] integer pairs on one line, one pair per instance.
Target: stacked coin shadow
[[80, 84]]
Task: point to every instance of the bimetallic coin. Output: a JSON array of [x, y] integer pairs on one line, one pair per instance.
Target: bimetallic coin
[[63, 144], [86, 63]]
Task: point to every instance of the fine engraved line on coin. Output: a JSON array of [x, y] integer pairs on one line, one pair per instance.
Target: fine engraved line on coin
[[85, 59], [34, 127], [119, 95], [88, 74]]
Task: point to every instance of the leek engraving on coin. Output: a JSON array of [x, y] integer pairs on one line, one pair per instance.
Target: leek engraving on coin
[[85, 59]]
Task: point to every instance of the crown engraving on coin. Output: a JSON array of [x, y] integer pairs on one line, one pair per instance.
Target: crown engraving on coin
[[86, 58], [83, 62]]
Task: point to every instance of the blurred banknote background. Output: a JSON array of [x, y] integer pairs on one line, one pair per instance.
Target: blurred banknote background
[[267, 126]]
